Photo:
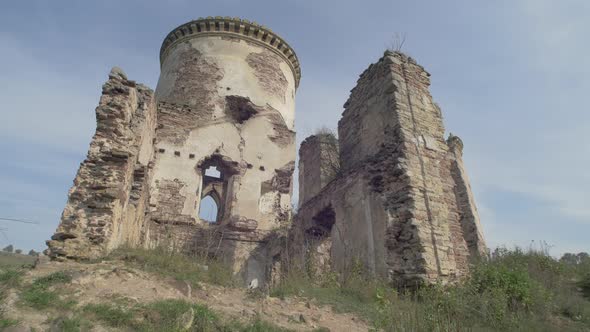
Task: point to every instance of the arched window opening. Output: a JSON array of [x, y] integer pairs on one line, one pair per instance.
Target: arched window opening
[[216, 172], [213, 172], [208, 210]]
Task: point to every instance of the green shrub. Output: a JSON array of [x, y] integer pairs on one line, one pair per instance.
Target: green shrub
[[515, 290], [514, 285]]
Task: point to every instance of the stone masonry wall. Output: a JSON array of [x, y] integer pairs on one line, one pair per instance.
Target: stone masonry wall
[[402, 204], [319, 163], [433, 209], [107, 203], [468, 214]]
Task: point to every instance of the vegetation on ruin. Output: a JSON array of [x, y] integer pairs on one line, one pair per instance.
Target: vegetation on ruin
[[191, 268], [44, 294], [515, 290]]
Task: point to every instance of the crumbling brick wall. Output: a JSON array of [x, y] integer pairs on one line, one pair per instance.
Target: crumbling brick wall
[[225, 98], [106, 205], [401, 203], [319, 163]]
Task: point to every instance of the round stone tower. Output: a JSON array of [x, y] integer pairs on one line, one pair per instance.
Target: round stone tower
[[225, 127]]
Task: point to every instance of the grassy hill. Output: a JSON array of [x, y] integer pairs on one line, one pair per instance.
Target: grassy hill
[[138, 290], [15, 260]]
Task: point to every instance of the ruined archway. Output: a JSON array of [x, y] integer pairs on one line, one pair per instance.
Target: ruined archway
[[217, 176]]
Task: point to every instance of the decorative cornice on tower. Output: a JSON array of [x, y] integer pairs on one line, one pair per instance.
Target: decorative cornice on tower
[[241, 28]]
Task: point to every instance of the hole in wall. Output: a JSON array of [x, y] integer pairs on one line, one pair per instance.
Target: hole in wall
[[324, 220], [213, 172], [240, 109]]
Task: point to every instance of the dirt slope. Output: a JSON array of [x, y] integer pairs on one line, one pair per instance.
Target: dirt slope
[[103, 282]]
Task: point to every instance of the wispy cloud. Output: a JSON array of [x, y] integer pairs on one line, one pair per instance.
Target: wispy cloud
[[511, 78]]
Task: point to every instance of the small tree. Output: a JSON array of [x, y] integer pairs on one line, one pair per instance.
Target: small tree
[[33, 253], [575, 259], [9, 248], [18, 251], [569, 258]]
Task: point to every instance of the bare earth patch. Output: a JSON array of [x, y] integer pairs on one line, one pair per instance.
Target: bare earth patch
[[110, 281]]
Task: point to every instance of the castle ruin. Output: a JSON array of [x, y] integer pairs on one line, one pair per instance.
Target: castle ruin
[[390, 191]]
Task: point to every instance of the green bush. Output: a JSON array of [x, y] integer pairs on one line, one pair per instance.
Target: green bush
[[514, 290]]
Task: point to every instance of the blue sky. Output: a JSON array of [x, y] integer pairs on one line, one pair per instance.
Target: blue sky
[[512, 78]]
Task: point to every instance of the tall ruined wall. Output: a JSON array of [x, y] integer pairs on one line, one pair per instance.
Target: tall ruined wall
[[468, 215], [402, 205], [423, 238], [106, 205], [319, 163]]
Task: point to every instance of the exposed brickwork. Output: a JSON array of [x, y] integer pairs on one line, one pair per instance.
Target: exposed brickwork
[[399, 181], [193, 99], [390, 192], [319, 163], [281, 135], [171, 203], [266, 68], [105, 205], [468, 215]]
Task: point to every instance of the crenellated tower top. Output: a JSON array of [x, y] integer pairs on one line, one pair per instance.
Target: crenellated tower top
[[236, 27]]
